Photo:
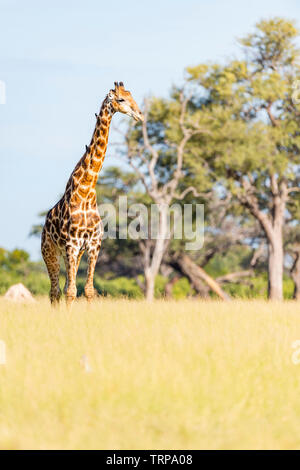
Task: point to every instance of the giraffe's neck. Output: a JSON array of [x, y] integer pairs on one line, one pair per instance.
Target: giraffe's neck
[[85, 174]]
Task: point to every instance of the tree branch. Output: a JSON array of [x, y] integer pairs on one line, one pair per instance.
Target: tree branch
[[189, 190], [249, 200], [275, 122]]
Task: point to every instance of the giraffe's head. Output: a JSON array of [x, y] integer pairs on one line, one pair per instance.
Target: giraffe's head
[[123, 102]]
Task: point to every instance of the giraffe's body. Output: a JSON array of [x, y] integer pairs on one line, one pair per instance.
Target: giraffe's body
[[73, 225]]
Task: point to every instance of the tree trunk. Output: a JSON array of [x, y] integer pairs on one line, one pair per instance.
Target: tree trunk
[[149, 284], [201, 288], [196, 275], [295, 273], [272, 225], [152, 262], [275, 267]]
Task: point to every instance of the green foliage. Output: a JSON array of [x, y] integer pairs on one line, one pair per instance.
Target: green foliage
[[34, 277], [237, 258], [182, 289], [16, 267], [160, 282], [272, 42], [288, 287], [254, 287], [242, 96], [257, 287], [14, 258], [119, 287]]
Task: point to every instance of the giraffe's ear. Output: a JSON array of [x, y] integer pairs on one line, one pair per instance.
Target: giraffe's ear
[[111, 94]]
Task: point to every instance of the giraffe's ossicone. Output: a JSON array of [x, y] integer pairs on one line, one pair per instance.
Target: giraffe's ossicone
[[73, 225]]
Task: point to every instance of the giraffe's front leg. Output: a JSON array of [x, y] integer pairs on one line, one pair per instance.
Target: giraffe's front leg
[[71, 268], [77, 266], [51, 258], [93, 253]]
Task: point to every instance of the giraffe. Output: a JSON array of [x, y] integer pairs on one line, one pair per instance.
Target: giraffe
[[73, 225]]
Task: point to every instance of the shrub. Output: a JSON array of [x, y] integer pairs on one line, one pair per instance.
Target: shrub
[[182, 288], [119, 287]]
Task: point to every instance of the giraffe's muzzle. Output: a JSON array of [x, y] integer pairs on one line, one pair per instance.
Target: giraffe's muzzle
[[138, 116]]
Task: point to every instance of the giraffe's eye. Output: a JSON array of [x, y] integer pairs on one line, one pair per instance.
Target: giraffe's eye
[[120, 100]]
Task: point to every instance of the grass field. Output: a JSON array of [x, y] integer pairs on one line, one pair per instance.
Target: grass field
[[167, 375]]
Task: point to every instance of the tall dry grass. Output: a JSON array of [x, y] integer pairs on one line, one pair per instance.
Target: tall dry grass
[[167, 375]]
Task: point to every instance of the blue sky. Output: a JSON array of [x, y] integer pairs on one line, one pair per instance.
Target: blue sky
[[59, 59]]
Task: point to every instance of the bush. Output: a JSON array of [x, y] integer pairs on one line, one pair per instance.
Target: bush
[[16, 267], [119, 287], [182, 288]]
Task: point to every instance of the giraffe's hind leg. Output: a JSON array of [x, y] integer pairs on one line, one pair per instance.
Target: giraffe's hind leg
[[77, 266], [51, 258], [71, 259], [89, 289]]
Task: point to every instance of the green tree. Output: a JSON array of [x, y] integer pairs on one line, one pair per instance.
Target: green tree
[[253, 145]]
